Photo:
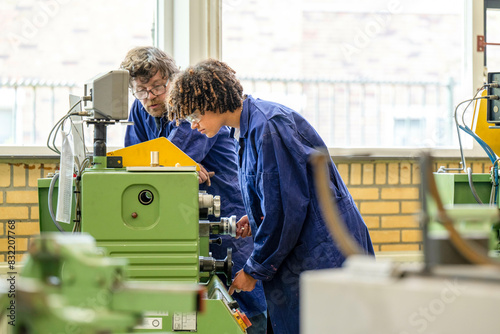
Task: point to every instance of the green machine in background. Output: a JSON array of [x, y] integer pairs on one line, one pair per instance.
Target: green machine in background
[[475, 218], [149, 214], [472, 199], [455, 187], [67, 285]]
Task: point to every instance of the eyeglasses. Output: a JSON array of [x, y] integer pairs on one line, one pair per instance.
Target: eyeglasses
[[193, 118], [156, 91]]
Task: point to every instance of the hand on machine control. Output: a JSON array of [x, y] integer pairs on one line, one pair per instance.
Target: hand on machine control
[[242, 282], [204, 176], [243, 228]]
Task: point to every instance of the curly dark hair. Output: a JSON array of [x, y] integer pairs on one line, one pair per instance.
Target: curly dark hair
[[210, 85], [144, 62]]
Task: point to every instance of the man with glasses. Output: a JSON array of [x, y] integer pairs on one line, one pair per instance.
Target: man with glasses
[[151, 71]]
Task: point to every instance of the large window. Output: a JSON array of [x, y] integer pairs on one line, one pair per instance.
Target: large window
[[492, 28], [373, 74], [370, 73], [49, 48]]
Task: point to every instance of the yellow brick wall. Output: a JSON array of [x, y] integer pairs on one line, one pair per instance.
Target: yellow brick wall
[[19, 203], [386, 192]]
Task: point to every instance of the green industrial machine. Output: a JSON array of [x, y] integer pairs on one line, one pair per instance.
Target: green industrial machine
[[455, 187], [150, 216], [153, 217], [45, 220], [477, 221], [67, 285], [472, 200]]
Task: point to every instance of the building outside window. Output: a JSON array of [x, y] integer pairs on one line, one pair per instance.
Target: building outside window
[[49, 48], [382, 73]]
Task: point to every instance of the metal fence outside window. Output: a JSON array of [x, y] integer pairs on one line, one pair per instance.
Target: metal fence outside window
[[365, 113], [347, 113]]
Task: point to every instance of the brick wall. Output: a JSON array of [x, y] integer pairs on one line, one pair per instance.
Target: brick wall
[[19, 202], [386, 192]]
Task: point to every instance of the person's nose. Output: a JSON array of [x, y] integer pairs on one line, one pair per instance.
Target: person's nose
[[194, 125]]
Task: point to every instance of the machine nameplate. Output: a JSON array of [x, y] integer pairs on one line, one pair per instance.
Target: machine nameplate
[[184, 321]]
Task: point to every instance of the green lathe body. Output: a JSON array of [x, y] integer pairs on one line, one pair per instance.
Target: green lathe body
[[150, 218]]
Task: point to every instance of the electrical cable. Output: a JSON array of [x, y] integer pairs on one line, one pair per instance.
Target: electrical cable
[[462, 161], [471, 185], [489, 151], [482, 143], [484, 146], [477, 92], [51, 209], [494, 189], [458, 129], [53, 135], [55, 128], [54, 131], [77, 220]]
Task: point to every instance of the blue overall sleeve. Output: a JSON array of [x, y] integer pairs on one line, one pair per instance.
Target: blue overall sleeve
[[283, 190], [136, 133]]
